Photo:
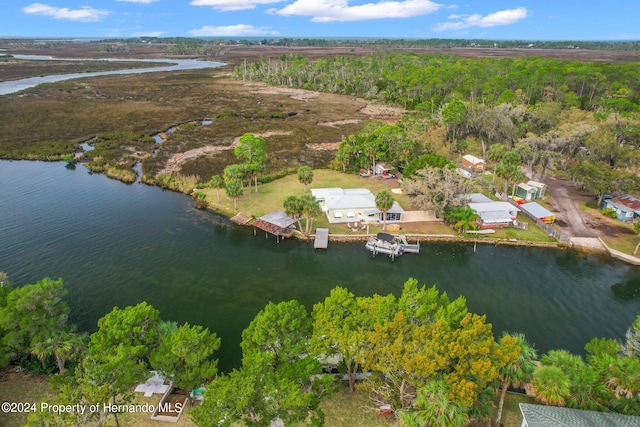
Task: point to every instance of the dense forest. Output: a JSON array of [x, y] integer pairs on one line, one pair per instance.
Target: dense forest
[[425, 82]]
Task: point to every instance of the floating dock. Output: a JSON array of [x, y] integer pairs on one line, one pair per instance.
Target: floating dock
[[322, 238]]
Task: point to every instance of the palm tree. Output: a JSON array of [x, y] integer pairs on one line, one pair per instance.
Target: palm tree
[[552, 385], [233, 188], [384, 202], [435, 408], [216, 182], [519, 372], [294, 208], [310, 210], [462, 218], [305, 176], [63, 344]]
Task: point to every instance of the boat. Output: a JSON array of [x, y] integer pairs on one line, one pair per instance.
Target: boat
[[384, 243]]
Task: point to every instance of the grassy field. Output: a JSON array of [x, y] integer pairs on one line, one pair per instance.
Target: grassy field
[[21, 387], [271, 196]]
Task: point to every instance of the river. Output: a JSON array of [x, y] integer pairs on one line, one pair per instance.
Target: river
[[117, 245], [14, 86]]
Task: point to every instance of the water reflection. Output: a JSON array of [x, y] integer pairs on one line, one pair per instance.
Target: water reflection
[[628, 290]]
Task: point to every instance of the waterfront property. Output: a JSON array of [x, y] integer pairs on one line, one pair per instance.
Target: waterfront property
[[353, 205], [627, 207], [495, 214]]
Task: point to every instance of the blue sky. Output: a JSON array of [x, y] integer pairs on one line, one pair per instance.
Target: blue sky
[[495, 19]]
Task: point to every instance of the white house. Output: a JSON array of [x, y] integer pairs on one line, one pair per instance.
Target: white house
[[353, 204]]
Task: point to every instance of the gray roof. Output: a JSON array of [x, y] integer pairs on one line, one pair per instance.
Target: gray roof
[[536, 210], [350, 198], [494, 207], [279, 218], [553, 416], [477, 198]]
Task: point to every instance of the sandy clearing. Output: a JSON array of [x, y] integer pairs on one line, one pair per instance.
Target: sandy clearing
[[299, 94], [381, 110], [175, 161], [339, 123], [324, 146]]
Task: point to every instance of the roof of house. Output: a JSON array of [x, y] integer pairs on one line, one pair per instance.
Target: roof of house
[[625, 202], [553, 416], [477, 198], [536, 210], [472, 159], [350, 198], [493, 207], [536, 184], [527, 187]]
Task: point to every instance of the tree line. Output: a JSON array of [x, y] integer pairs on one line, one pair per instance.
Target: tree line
[[425, 81], [424, 354]]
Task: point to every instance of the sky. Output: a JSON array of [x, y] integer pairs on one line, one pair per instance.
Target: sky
[[481, 19]]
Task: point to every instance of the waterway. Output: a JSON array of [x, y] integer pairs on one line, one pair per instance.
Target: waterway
[[117, 245], [14, 86]]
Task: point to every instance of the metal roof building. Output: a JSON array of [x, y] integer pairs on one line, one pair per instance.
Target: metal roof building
[[554, 416]]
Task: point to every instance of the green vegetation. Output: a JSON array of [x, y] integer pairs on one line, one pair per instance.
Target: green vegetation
[[427, 357], [422, 81]]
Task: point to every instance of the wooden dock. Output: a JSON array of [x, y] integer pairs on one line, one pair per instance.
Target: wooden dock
[[322, 238]]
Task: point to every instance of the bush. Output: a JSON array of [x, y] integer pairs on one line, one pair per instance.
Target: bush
[[609, 213]]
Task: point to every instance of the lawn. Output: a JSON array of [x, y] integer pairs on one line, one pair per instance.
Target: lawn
[[271, 196], [19, 386]]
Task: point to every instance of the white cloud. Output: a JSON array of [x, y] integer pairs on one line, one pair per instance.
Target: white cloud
[[84, 14], [228, 5], [340, 11], [138, 1], [232, 30], [503, 17]]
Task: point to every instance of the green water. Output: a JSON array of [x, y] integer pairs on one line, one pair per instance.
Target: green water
[[117, 244]]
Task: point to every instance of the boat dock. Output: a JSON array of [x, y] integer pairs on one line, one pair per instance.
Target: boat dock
[[322, 238]]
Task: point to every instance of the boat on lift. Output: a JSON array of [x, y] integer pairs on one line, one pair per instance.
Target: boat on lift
[[384, 243]]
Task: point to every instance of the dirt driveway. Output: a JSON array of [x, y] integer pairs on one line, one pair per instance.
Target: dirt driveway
[[569, 218], [575, 222]]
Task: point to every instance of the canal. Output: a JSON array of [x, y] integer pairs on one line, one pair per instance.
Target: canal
[[117, 245]]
